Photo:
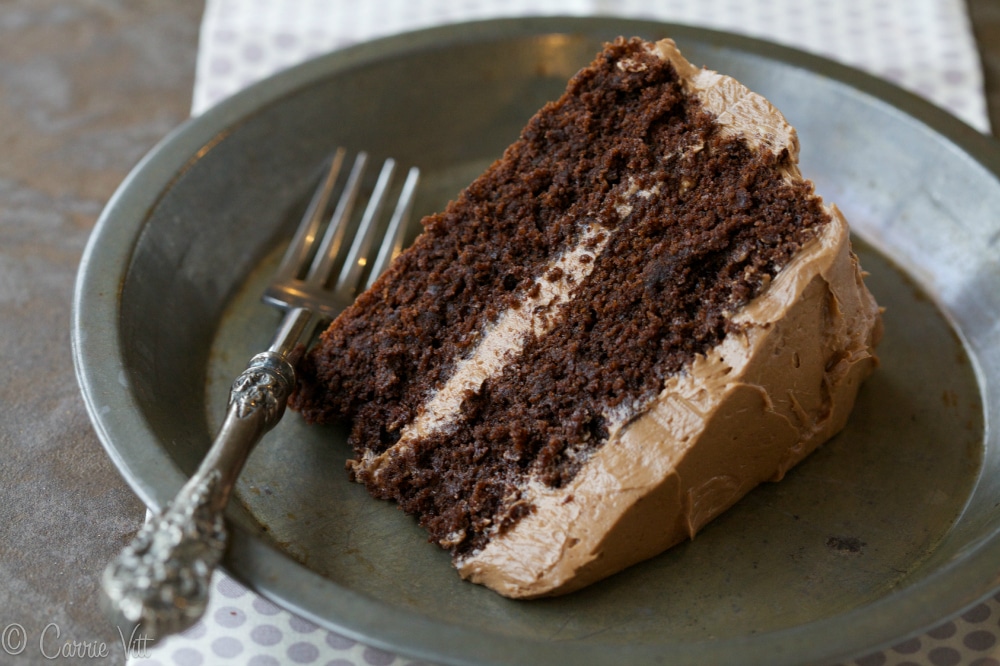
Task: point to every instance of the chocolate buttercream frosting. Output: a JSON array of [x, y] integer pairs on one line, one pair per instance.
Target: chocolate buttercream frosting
[[634, 317]]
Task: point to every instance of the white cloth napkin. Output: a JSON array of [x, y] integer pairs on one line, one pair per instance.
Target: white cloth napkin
[[925, 46]]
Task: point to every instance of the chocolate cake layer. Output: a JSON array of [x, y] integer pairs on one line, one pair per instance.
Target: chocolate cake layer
[[675, 267], [609, 248]]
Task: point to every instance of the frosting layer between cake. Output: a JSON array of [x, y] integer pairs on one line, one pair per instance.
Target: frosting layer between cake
[[745, 413], [637, 315]]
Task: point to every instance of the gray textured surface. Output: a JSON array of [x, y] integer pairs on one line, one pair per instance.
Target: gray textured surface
[[86, 88]]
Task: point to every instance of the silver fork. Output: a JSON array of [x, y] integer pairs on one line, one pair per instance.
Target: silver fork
[[158, 585]]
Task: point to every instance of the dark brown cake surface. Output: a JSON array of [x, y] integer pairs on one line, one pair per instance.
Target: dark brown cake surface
[[672, 270]]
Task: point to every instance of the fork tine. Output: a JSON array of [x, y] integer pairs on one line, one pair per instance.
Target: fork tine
[[329, 249], [396, 231], [313, 290], [187, 534], [305, 236], [350, 274]]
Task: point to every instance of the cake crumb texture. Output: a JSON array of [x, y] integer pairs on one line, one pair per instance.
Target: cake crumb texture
[[679, 225]]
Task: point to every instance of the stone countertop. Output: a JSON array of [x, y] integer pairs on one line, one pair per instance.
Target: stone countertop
[[86, 89]]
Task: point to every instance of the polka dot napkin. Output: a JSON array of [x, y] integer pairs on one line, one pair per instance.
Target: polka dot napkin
[[243, 628], [925, 46]]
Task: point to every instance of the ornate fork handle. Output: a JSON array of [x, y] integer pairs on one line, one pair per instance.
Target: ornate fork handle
[[160, 582]]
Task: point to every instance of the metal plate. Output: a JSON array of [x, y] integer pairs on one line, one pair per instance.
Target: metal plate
[[890, 527]]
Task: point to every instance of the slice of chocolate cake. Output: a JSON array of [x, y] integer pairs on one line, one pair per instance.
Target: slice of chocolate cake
[[635, 316]]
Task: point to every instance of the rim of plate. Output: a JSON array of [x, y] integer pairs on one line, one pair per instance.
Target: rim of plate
[[131, 445]]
